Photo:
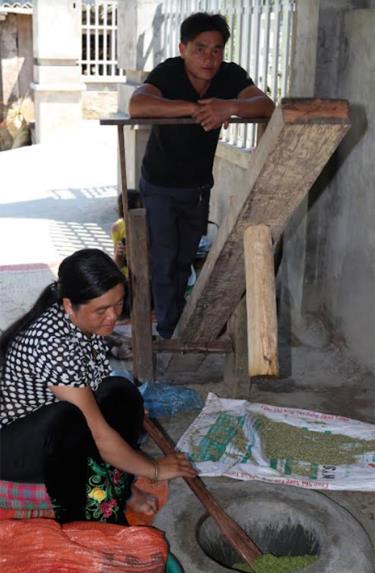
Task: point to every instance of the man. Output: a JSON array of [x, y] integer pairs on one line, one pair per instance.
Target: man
[[177, 166]]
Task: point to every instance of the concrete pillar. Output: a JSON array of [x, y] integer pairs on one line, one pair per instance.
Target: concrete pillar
[[57, 81], [9, 64], [301, 84], [139, 50]]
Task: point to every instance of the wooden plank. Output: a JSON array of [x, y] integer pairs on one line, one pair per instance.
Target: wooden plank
[[236, 369], [122, 119], [176, 346], [260, 302], [141, 305], [300, 138], [236, 377]]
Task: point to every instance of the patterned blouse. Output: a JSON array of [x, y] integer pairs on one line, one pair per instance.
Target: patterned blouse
[[51, 352]]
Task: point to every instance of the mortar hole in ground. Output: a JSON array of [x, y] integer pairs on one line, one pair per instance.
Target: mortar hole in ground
[[285, 539]]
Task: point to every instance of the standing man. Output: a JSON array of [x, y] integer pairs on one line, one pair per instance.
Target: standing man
[[177, 167]]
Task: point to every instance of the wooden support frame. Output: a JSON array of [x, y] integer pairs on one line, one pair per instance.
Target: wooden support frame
[[142, 344], [300, 138], [236, 364], [176, 346]]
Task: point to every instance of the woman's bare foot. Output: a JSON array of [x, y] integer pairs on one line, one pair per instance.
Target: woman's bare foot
[[142, 501]]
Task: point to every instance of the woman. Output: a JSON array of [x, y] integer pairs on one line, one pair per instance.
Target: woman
[[64, 421]]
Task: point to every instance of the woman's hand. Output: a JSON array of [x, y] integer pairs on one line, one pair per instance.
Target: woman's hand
[[175, 465]]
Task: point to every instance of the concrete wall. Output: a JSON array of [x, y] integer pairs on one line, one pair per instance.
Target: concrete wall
[[16, 61], [329, 248], [340, 268]]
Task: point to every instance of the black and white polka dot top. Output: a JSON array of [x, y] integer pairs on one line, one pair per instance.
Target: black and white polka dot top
[[51, 352]]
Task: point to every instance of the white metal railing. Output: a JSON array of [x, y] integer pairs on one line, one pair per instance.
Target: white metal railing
[[99, 41], [261, 32]]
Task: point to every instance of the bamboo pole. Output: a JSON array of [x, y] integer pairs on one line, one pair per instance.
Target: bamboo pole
[[236, 536]]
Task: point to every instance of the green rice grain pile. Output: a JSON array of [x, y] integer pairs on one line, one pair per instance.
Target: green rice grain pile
[[271, 564], [283, 441]]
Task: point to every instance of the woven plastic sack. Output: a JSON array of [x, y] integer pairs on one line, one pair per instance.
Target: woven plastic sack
[[43, 546]]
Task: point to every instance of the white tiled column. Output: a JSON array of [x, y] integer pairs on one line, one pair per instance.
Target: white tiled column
[[138, 52], [57, 81]]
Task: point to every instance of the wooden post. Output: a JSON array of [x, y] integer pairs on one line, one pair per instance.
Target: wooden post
[[236, 375], [141, 304], [260, 302], [124, 197]]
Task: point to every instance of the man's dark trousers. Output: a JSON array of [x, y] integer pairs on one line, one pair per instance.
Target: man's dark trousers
[[177, 219]]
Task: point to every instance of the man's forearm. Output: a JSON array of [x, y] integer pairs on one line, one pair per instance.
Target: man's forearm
[[257, 106], [142, 105]]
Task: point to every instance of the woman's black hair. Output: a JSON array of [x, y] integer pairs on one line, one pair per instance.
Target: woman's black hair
[[84, 275], [203, 22]]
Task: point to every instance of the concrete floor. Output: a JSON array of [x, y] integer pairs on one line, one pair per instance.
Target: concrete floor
[[323, 377], [56, 199], [317, 373]]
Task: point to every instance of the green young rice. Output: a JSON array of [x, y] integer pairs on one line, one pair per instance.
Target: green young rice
[[271, 564], [283, 441]]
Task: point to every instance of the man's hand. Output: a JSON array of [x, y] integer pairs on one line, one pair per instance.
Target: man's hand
[[212, 113], [251, 102]]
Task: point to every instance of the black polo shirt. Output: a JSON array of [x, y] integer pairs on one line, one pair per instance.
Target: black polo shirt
[[183, 155]]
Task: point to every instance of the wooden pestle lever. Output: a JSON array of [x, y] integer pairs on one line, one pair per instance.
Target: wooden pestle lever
[[236, 536]]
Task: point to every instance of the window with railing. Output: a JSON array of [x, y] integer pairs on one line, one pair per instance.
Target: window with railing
[[261, 33], [99, 41]]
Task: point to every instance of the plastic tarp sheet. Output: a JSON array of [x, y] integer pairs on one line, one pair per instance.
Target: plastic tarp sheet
[[163, 399]]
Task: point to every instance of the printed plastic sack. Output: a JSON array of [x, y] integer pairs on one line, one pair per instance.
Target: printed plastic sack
[[43, 546], [290, 446]]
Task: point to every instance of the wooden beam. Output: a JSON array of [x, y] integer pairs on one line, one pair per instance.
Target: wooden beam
[[300, 138], [122, 119], [260, 302], [236, 364], [176, 346], [124, 195], [141, 305]]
